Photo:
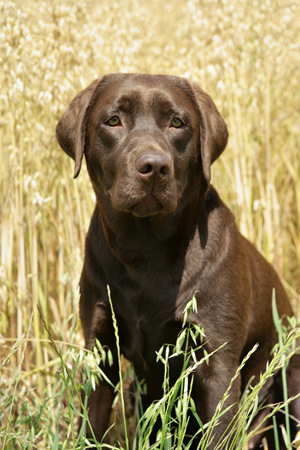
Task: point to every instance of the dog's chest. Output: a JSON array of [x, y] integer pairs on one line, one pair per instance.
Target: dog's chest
[[145, 313]]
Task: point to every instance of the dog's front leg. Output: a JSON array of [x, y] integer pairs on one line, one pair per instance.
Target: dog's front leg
[[100, 401], [99, 409], [210, 392]]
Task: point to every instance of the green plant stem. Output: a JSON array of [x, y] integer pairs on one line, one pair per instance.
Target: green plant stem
[[120, 369]]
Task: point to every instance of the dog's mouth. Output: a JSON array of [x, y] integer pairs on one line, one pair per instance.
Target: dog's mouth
[[145, 205], [143, 199]]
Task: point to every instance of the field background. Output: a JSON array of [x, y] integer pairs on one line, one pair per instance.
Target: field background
[[244, 53]]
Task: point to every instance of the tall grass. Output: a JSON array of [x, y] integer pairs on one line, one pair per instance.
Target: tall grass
[[245, 53]]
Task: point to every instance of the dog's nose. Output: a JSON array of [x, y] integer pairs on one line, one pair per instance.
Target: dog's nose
[[152, 164]]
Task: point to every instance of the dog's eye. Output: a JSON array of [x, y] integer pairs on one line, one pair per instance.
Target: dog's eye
[[176, 123], [113, 121]]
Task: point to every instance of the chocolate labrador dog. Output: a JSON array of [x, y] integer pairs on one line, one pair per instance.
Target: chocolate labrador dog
[[159, 235]]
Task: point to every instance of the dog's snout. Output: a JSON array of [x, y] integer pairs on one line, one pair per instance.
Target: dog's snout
[[153, 164]]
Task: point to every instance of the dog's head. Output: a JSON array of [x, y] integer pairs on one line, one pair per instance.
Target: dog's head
[[146, 139]]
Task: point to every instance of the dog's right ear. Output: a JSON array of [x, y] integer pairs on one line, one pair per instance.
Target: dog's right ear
[[70, 130]]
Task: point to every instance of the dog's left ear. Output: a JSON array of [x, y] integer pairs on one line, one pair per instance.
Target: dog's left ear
[[70, 130], [213, 130]]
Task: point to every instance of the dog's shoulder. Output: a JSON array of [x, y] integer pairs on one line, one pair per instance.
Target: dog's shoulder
[[215, 217]]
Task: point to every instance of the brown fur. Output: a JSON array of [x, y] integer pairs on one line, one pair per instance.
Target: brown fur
[[160, 234]]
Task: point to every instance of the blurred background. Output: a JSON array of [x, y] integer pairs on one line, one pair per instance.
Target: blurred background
[[244, 53]]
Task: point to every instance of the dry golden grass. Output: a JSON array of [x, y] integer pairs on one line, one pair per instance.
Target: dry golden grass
[[244, 53]]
